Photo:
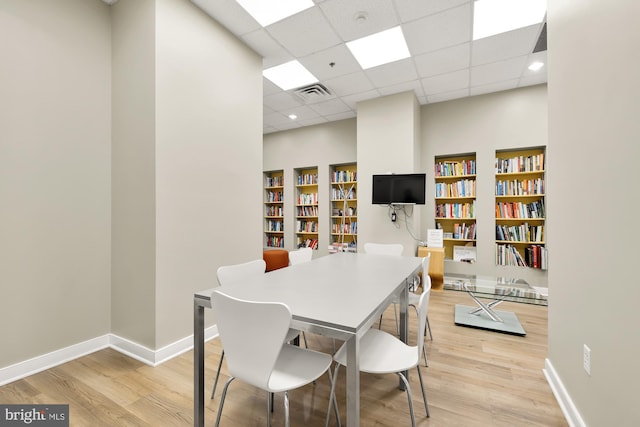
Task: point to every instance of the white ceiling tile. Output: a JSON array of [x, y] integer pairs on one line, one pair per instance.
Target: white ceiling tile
[[229, 14], [303, 112], [536, 57], [341, 116], [281, 101], [494, 87], [315, 121], [392, 73], [448, 28], [533, 80], [304, 33], [410, 10], [353, 19], [333, 106], [506, 45], [271, 52], [349, 84], [319, 63], [269, 88], [496, 71], [352, 100], [448, 96], [275, 119], [446, 82], [443, 60], [415, 86]]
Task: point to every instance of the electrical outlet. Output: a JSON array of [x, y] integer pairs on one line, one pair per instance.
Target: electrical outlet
[[586, 359]]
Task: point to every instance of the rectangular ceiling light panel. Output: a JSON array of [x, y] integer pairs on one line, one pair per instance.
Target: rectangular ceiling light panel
[[266, 12], [491, 17], [289, 75], [380, 48]]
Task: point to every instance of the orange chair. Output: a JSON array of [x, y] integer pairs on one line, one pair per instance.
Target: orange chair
[[275, 258]]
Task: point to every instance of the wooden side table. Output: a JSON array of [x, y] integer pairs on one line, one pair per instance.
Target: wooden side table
[[436, 265]]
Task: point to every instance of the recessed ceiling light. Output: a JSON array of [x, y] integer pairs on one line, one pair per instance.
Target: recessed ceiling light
[[380, 48], [492, 17], [267, 12], [293, 116], [289, 75], [535, 66]]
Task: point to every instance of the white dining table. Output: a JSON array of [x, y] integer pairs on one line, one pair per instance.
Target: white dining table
[[339, 295]]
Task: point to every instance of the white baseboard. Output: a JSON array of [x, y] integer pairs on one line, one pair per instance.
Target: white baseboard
[[564, 400], [132, 349]]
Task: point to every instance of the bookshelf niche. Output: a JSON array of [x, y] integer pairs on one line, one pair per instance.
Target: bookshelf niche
[[307, 208], [455, 198], [520, 208], [344, 204], [273, 209]]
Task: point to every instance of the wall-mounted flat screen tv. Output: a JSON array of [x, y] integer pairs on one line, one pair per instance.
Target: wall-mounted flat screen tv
[[398, 189]]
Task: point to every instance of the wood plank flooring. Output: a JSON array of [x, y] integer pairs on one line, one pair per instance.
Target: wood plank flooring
[[475, 378]]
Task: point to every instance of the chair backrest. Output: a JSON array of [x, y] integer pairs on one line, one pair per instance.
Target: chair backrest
[[300, 256], [383, 248], [423, 307], [230, 273], [425, 270], [241, 335]]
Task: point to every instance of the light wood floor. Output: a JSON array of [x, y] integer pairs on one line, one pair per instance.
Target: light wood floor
[[474, 378]]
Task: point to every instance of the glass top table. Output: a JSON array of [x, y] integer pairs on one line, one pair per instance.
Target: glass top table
[[500, 289]]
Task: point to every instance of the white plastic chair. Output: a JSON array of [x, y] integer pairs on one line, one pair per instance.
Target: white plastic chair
[[300, 256], [277, 367], [229, 275], [383, 353]]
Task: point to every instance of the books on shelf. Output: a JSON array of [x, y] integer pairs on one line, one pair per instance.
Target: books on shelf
[[339, 194], [343, 247], [508, 210], [536, 256], [311, 211], [523, 187], [462, 188], [275, 181], [274, 196], [303, 226], [275, 242], [455, 168], [308, 199], [344, 176], [455, 210], [532, 163], [346, 228], [308, 179], [520, 233], [308, 243]]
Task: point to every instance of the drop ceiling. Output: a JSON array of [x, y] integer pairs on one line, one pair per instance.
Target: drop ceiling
[[445, 62]]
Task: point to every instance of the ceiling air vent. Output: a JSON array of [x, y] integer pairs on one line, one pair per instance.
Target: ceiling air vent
[[314, 93]]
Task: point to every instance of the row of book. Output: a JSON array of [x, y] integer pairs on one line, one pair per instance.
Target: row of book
[[524, 187], [343, 194], [464, 231], [462, 188], [308, 199], [455, 210], [343, 247], [275, 226], [520, 210], [306, 226], [535, 256], [308, 179], [520, 233], [350, 211], [308, 243], [347, 228], [533, 163], [307, 211], [455, 168], [274, 196], [344, 176], [275, 242], [273, 210], [275, 181]]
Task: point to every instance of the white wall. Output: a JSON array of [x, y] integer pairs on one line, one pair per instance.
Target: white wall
[[314, 146], [387, 143], [208, 159], [483, 124], [55, 94], [593, 170]]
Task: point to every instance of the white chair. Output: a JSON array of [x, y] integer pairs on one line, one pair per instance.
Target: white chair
[[383, 353], [277, 367], [229, 275], [300, 256]]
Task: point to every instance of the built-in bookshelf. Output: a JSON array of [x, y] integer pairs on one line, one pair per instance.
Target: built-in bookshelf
[[344, 205], [274, 209], [455, 199], [307, 207], [520, 208]]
